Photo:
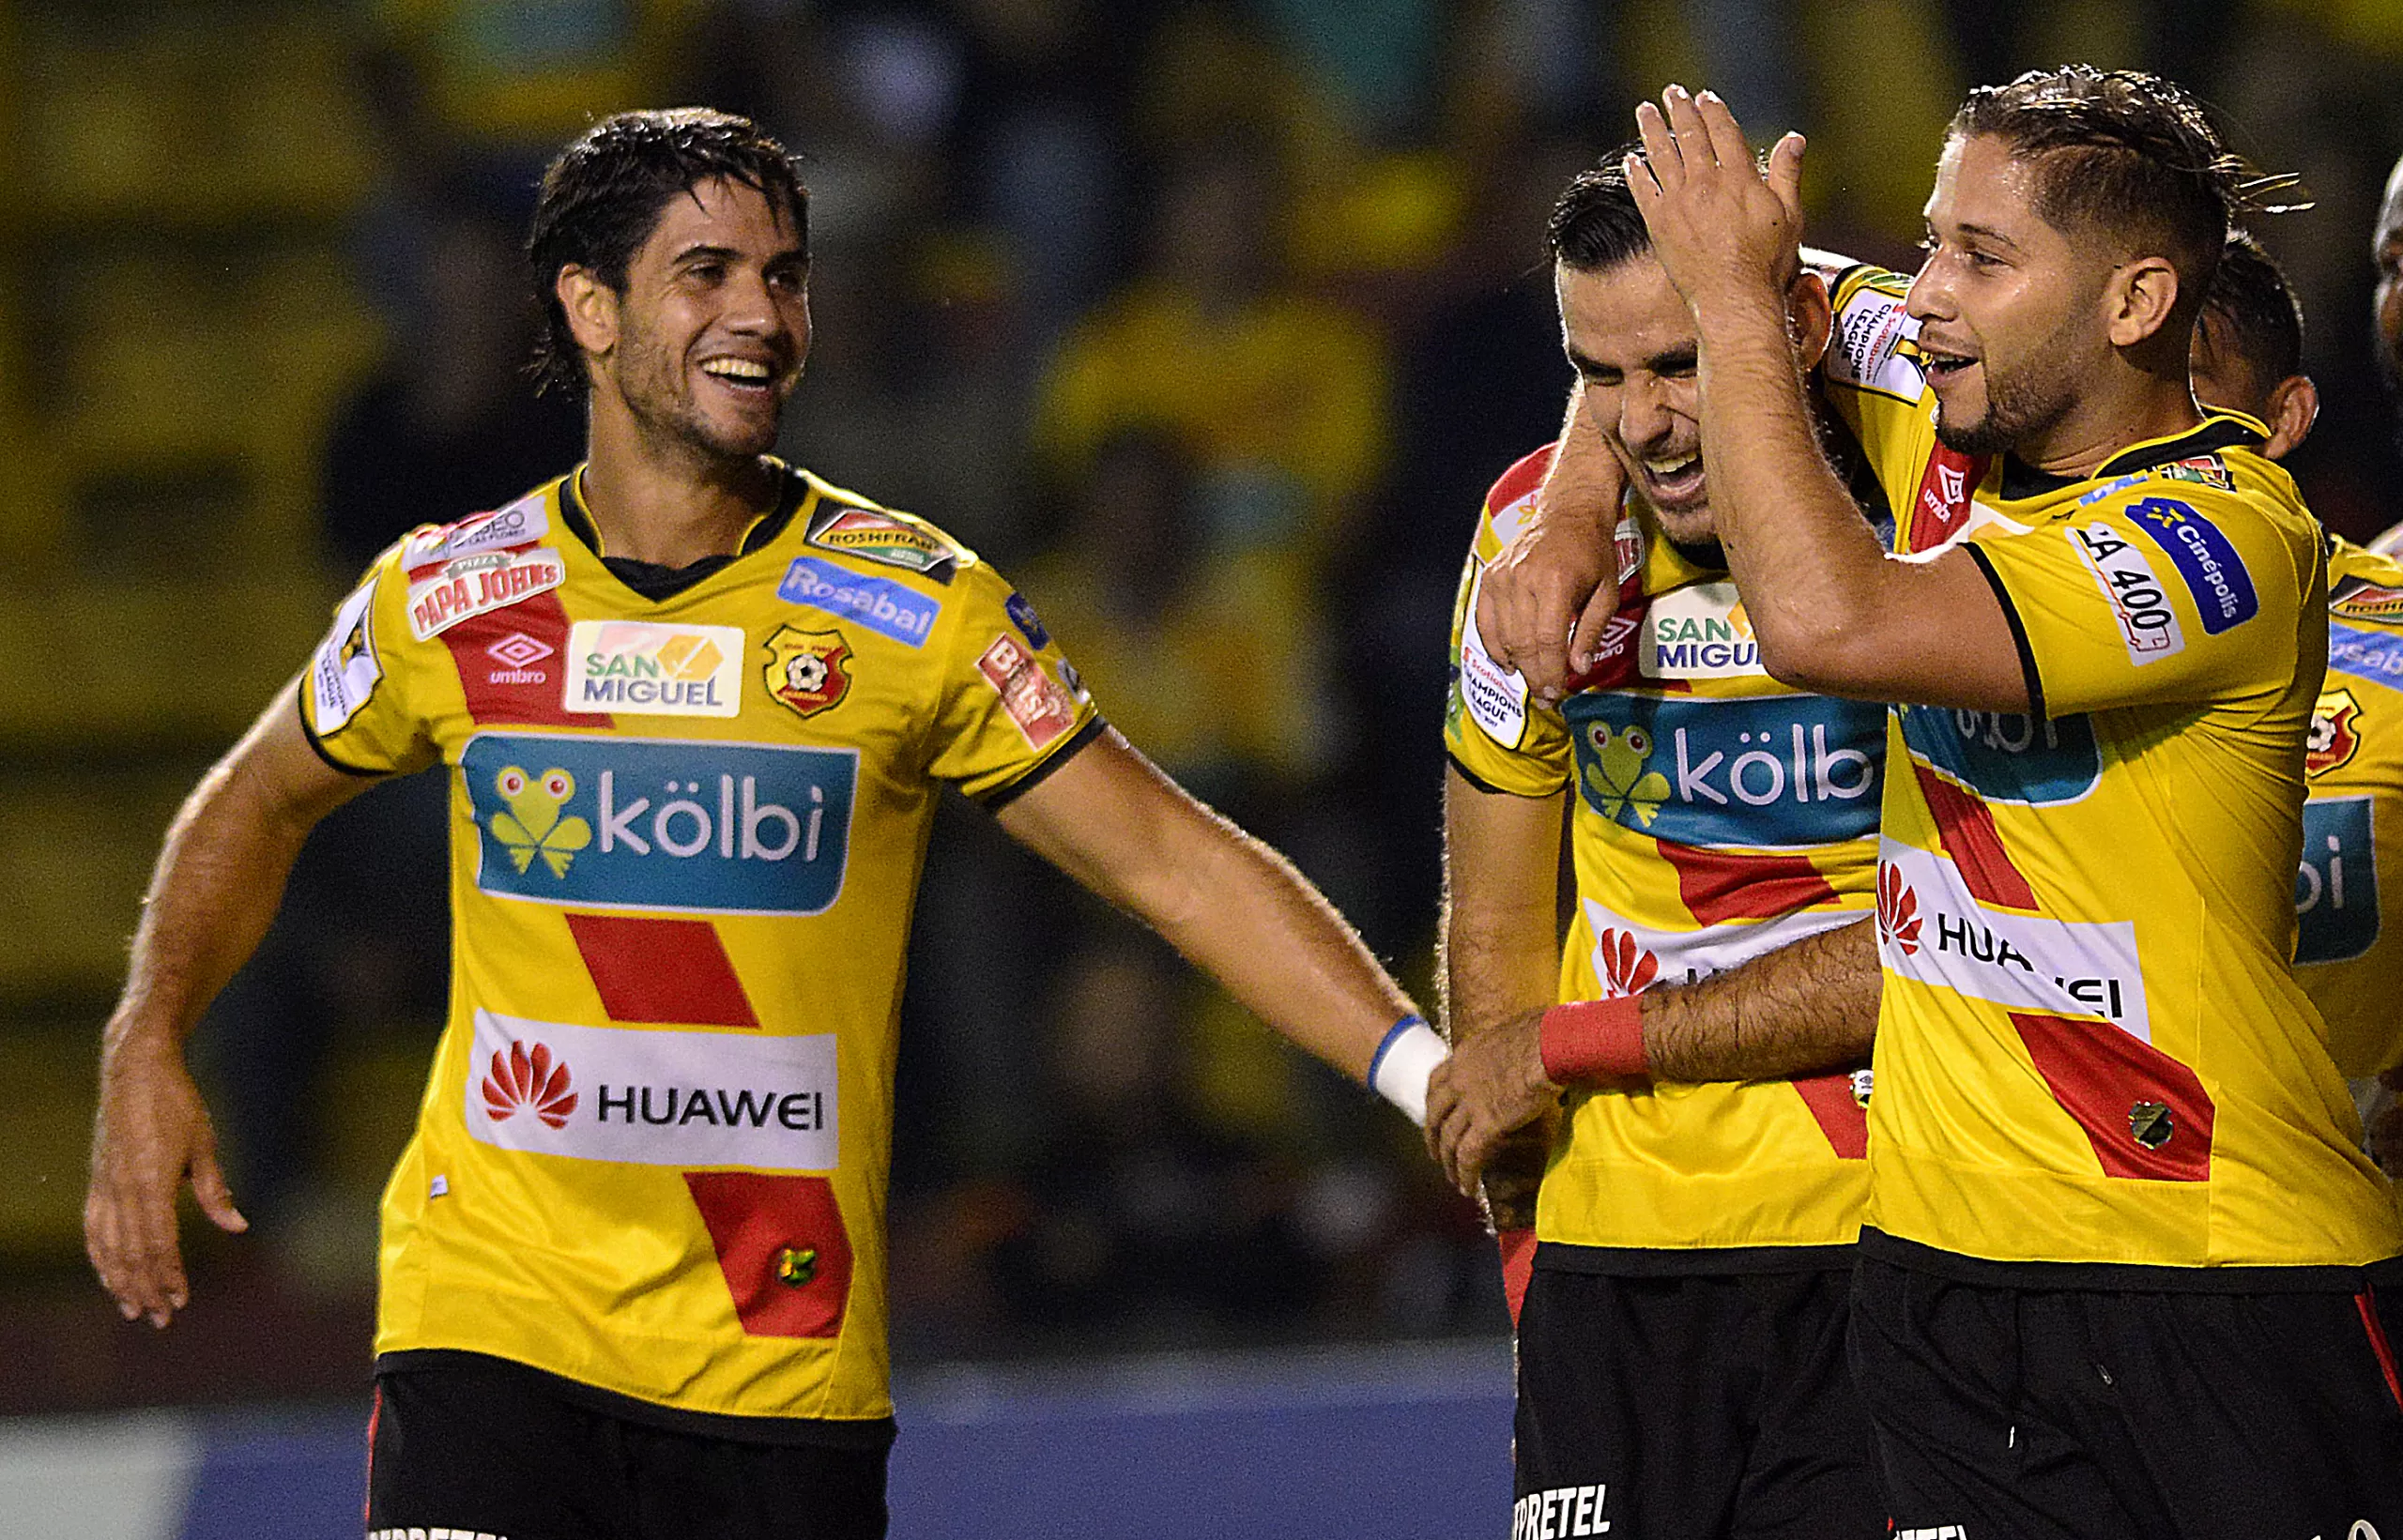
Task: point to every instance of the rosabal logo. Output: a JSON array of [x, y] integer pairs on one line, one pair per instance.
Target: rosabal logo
[[1627, 966], [1897, 909], [529, 1079]]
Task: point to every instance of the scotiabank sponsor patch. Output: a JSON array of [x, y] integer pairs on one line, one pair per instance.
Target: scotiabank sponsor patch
[[478, 585], [1496, 697], [344, 672], [654, 1098], [1042, 710]]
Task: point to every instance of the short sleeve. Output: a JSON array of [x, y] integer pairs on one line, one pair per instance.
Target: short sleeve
[[355, 702], [2146, 599], [1494, 734], [1872, 379], [1012, 708]]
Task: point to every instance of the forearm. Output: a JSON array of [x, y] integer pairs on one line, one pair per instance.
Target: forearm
[[1801, 1010]]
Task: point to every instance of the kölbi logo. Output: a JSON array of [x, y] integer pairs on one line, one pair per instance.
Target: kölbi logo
[[706, 826]]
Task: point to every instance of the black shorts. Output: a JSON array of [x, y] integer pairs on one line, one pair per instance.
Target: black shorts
[[1690, 1407], [477, 1448], [2043, 1413]]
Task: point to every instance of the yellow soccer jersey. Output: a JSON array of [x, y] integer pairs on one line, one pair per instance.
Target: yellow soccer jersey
[[685, 840], [2349, 964], [2090, 1046], [1718, 815]]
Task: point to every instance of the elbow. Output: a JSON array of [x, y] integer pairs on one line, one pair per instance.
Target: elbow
[[1825, 655]]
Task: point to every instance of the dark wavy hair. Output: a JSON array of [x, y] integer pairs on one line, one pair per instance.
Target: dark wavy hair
[[1595, 225], [2262, 313], [602, 196]]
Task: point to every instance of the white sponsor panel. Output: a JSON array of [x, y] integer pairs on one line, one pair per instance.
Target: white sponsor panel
[[2021, 962], [1497, 696], [478, 585], [2148, 625], [344, 672], [522, 522], [642, 668], [654, 1098], [1623, 947], [1701, 632], [1867, 350]]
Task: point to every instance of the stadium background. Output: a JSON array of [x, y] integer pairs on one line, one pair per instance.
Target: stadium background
[[1209, 323]]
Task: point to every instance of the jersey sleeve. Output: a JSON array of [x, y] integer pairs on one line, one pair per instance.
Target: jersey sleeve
[[2144, 599], [1012, 708], [354, 695], [1872, 379], [1491, 731]]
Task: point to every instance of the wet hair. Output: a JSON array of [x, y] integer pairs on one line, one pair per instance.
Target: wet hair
[[2263, 315], [2121, 152], [1595, 225], [602, 196]]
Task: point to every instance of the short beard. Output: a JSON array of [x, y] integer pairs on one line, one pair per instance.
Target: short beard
[[2027, 402]]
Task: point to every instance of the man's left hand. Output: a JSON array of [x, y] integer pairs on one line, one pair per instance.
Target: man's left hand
[[1725, 233], [1492, 1084]]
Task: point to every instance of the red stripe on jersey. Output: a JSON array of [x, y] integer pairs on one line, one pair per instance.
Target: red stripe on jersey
[[2367, 1303], [507, 681], [1718, 885], [648, 969], [1839, 1114], [1519, 480], [1942, 505], [2147, 1115], [1974, 844], [781, 1247]]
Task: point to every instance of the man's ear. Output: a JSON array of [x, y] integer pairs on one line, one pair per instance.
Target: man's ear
[[592, 308], [1810, 316], [2139, 299], [2291, 409]]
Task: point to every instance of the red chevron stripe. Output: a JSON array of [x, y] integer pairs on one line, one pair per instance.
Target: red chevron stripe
[[1716, 885], [2098, 1073], [666, 970], [756, 1221], [1970, 838], [1839, 1114], [497, 692]]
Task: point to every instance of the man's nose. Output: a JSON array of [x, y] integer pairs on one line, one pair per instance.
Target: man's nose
[[1644, 415]]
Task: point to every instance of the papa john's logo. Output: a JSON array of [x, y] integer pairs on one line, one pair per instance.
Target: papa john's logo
[[529, 1079], [1627, 966], [1897, 909]]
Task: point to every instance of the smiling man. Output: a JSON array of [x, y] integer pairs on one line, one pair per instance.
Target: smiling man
[[696, 707]]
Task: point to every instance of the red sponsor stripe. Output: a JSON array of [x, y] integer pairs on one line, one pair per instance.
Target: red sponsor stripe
[[2098, 1073], [493, 695], [2367, 1303], [367, 1499], [1942, 505], [651, 969], [1716, 885], [1974, 844], [1839, 1114], [1519, 480], [754, 1220]]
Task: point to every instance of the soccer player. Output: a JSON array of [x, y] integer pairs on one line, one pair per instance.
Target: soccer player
[[1680, 1356], [2118, 1263], [695, 708]]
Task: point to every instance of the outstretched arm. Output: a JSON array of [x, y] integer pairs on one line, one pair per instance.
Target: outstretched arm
[[1234, 908], [1799, 1010], [211, 899], [1831, 611]]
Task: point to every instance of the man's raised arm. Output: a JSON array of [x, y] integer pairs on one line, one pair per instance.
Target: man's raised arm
[[211, 899]]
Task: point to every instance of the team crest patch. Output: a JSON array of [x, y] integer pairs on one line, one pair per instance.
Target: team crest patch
[[877, 536], [2203, 470], [2336, 733], [805, 669], [2367, 601]]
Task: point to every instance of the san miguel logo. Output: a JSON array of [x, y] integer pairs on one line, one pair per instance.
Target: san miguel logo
[[525, 1079], [805, 669], [2336, 736], [1897, 909]]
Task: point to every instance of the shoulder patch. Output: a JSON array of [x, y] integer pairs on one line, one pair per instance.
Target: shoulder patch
[[2362, 600], [2202, 469], [1496, 697], [2204, 556], [2148, 625], [344, 673], [522, 522], [1869, 349], [875, 536], [1514, 492]]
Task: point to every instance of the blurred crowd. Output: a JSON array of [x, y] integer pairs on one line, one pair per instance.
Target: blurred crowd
[[1209, 323]]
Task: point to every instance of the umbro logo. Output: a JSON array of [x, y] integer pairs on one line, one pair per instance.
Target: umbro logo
[[517, 653]]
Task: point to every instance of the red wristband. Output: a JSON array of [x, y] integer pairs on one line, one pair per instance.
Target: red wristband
[[1518, 1268], [1594, 1040]]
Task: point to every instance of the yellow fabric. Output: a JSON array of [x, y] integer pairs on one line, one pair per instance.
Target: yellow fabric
[[2090, 1046], [1693, 852], [581, 1248]]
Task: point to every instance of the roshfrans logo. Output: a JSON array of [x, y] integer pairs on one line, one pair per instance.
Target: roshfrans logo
[[641, 669]]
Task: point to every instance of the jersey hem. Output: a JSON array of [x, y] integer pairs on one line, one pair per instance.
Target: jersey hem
[[2129, 1277], [1688, 1261], [873, 1435]]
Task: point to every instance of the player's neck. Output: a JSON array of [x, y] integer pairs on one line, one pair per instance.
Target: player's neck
[[2132, 408], [651, 503]]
